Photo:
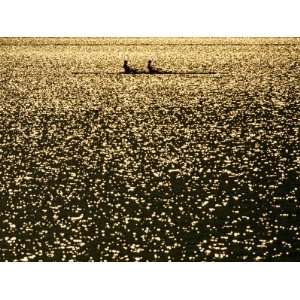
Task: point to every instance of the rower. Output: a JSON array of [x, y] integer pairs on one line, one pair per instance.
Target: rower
[[150, 68], [127, 69]]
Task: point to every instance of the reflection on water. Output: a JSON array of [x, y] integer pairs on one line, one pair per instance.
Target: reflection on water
[[134, 168]]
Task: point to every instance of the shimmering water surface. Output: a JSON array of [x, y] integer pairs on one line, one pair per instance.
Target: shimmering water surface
[[179, 167]]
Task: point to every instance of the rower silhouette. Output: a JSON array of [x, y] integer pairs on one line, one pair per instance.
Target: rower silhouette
[[153, 70], [127, 69]]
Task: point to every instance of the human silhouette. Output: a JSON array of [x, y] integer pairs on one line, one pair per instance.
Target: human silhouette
[[151, 69], [127, 69], [154, 70]]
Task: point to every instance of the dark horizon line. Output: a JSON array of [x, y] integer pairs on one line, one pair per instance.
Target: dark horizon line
[[4, 44]]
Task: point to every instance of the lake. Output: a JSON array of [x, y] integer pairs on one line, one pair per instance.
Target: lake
[[202, 164]]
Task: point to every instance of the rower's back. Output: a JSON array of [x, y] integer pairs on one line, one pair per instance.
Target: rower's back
[[126, 67], [151, 70]]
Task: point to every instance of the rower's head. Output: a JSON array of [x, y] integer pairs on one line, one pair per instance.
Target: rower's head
[[125, 62], [149, 62]]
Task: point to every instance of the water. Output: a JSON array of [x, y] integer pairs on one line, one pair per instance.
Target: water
[[178, 167]]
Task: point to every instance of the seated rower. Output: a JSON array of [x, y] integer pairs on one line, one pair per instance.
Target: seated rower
[[153, 70], [127, 69]]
